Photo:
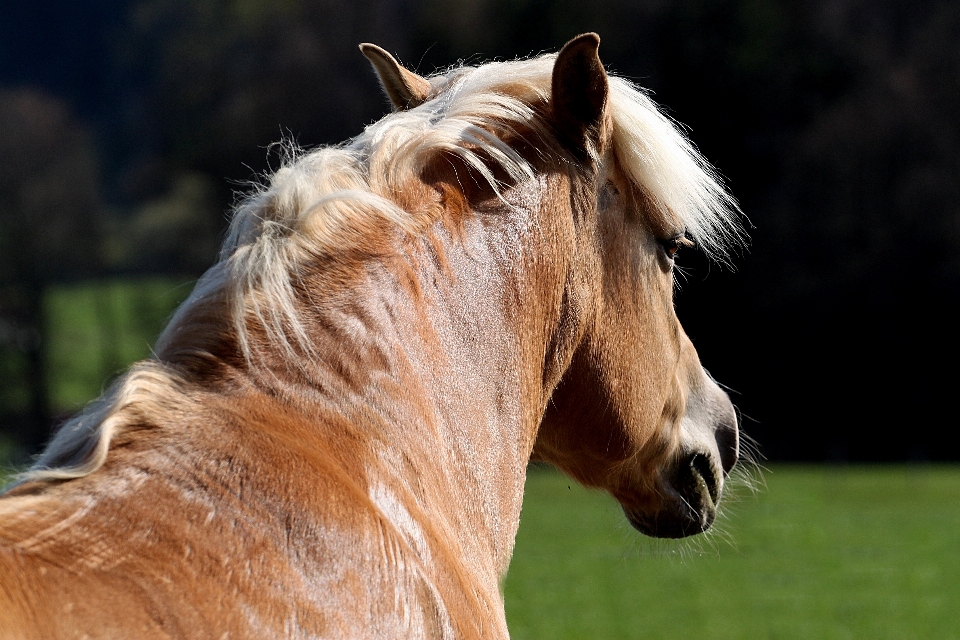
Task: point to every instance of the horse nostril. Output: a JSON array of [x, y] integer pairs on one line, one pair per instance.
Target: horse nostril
[[728, 444], [700, 466]]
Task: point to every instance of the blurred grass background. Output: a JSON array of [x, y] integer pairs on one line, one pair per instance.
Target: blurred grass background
[[85, 349], [96, 329], [819, 552]]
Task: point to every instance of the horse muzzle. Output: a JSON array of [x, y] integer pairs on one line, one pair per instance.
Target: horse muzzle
[[688, 501], [691, 487]]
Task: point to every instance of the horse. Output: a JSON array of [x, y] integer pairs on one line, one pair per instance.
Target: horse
[[332, 437]]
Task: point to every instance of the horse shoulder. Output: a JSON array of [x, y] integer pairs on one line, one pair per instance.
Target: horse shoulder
[[41, 599], [19, 600], [242, 515]]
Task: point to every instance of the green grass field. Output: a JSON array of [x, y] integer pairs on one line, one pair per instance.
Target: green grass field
[[97, 329], [93, 332], [820, 552]]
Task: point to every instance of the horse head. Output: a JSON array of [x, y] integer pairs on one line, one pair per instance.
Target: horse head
[[627, 405], [634, 412]]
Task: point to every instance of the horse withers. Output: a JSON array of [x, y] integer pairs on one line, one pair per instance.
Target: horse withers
[[333, 436]]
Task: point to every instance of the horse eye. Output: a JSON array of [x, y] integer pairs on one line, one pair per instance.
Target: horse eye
[[673, 245]]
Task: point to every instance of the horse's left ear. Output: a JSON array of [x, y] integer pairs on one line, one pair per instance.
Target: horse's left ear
[[579, 89], [405, 89]]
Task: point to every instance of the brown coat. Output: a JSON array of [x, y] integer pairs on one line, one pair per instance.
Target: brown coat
[[332, 440]]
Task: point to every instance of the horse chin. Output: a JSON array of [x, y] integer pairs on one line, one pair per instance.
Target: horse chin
[[688, 501]]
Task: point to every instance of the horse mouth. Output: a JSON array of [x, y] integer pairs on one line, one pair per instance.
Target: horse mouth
[[688, 504]]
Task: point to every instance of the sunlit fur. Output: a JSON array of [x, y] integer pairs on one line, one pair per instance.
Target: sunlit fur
[[392, 318], [333, 200]]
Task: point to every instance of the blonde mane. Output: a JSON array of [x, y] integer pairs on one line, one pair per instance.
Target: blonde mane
[[331, 200]]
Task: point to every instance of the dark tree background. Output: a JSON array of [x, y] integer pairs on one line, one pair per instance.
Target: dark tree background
[[127, 126]]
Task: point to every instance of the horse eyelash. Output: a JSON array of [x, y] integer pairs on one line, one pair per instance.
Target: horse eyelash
[[672, 246]]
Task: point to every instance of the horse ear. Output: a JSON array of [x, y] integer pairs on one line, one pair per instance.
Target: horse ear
[[579, 88], [405, 89]]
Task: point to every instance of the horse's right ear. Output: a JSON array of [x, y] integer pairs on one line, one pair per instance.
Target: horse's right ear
[[405, 89], [579, 89]]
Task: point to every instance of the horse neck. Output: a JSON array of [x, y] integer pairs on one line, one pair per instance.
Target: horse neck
[[432, 354]]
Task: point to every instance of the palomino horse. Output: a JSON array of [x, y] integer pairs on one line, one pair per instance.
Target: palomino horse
[[333, 436]]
